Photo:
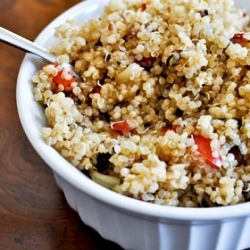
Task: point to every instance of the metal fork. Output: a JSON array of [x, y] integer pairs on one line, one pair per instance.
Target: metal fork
[[31, 47]]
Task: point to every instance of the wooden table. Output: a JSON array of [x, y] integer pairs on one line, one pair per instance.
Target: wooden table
[[33, 212]]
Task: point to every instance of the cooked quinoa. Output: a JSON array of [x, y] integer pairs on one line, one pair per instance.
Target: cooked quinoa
[[162, 111]]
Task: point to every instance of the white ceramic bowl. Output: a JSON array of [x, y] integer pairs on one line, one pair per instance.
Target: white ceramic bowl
[[130, 223]]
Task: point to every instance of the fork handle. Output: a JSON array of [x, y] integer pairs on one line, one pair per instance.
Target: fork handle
[[26, 45]]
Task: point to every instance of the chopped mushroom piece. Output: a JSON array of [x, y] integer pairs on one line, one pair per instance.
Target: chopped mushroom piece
[[206, 202], [174, 58], [146, 62], [204, 13], [246, 191], [102, 161], [237, 155]]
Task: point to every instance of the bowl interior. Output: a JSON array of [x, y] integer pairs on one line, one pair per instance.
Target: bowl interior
[[32, 118]]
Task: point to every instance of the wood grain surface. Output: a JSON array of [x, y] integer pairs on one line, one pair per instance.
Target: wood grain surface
[[33, 212]]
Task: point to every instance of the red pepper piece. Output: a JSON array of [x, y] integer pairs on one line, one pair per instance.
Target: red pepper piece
[[121, 126], [241, 38], [204, 148], [238, 38], [66, 83]]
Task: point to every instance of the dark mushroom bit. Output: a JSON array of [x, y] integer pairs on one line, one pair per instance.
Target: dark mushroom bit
[[147, 125], [146, 62], [206, 202], [103, 162], [237, 155], [174, 58], [179, 112], [246, 191], [203, 13], [106, 117]]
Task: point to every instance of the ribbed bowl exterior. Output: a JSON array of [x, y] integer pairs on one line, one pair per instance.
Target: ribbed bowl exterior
[[136, 232]]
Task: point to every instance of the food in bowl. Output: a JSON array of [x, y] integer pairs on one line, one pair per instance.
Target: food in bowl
[[161, 113]]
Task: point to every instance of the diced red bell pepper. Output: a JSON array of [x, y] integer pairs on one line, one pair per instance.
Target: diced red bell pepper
[[204, 148], [121, 126], [66, 83], [241, 38]]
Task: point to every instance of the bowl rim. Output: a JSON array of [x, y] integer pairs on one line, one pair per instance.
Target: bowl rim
[[69, 173]]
